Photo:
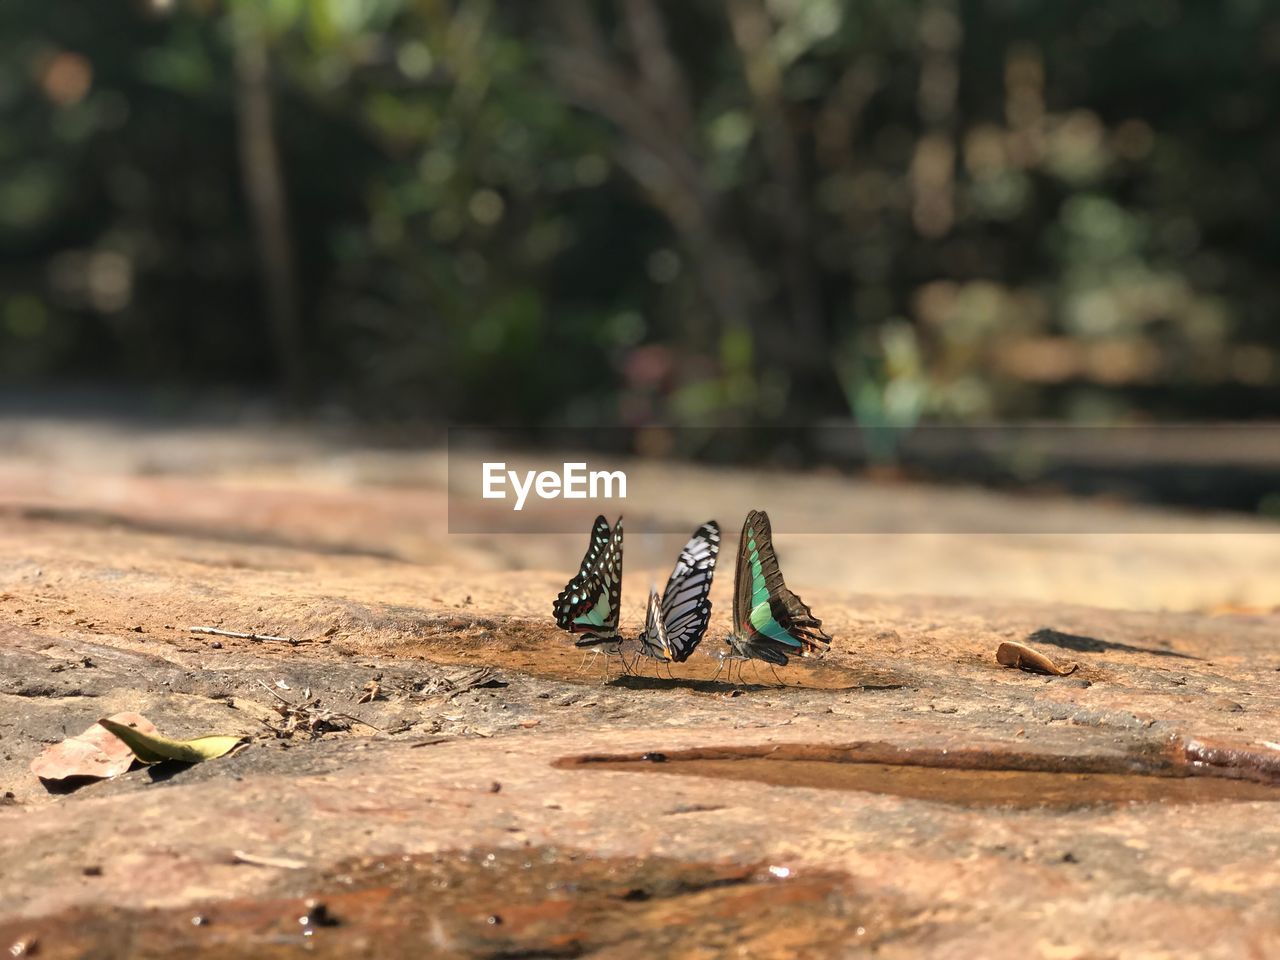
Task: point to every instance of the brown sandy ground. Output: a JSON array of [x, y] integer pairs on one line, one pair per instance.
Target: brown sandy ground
[[904, 795]]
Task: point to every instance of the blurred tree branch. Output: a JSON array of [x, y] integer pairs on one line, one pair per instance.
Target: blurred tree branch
[[264, 185], [651, 109], [753, 36]]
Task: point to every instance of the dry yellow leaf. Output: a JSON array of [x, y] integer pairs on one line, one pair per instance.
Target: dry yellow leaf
[[153, 748]]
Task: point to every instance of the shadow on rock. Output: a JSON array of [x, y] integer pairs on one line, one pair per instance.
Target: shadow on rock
[[631, 681], [1083, 644]]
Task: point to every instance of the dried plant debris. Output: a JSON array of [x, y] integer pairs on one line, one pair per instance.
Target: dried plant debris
[[308, 716], [450, 683], [370, 692], [1019, 655]]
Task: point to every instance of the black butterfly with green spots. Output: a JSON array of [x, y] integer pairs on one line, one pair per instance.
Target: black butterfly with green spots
[[589, 603]]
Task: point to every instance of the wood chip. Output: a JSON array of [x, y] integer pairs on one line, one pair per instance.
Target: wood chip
[[1033, 661]]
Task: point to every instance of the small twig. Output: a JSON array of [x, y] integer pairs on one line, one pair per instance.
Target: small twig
[[264, 686], [284, 863], [355, 719], [260, 637], [428, 743]]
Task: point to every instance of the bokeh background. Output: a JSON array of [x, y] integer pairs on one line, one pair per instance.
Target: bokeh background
[[634, 211]]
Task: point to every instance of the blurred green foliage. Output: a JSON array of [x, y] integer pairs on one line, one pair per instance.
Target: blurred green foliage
[[634, 211]]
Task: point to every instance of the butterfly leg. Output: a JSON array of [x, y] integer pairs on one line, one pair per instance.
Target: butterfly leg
[[781, 682]]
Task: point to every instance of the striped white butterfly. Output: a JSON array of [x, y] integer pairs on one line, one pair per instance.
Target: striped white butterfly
[[675, 623]]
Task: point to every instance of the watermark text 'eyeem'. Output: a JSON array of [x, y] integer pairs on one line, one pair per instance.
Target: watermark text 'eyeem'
[[573, 482]]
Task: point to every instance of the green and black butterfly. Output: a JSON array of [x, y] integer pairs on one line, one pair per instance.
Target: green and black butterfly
[[770, 623], [589, 603], [675, 623]]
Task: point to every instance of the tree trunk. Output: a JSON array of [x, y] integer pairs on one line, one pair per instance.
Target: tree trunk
[[264, 188]]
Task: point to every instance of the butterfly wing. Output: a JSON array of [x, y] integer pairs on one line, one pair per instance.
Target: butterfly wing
[[743, 582], [767, 615], [589, 603], [610, 572], [653, 642], [686, 608]]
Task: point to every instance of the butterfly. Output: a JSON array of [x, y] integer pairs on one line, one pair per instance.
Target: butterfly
[[675, 624], [589, 602], [770, 622]]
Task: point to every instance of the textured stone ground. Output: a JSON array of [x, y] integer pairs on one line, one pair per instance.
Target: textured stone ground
[[114, 541]]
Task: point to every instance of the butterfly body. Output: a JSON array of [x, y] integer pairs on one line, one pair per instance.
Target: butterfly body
[[676, 622], [770, 623], [589, 603]]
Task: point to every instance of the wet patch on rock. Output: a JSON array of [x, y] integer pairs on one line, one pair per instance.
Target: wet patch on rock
[[535, 648], [543, 902], [966, 778]]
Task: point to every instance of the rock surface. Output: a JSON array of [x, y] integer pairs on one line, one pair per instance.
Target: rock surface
[[907, 794]]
